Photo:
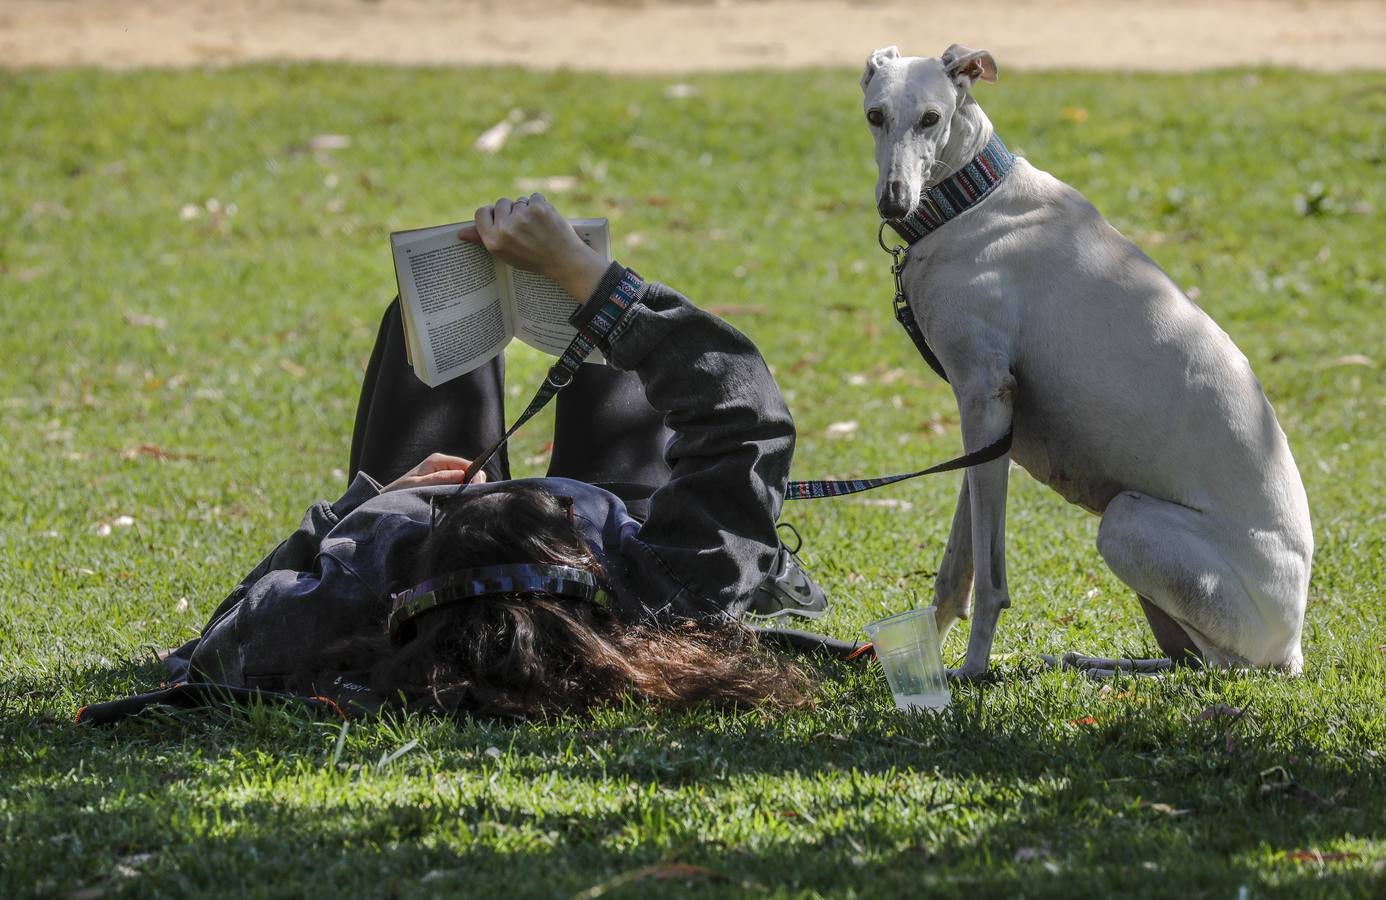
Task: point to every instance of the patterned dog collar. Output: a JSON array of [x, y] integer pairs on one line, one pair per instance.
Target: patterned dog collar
[[957, 193]]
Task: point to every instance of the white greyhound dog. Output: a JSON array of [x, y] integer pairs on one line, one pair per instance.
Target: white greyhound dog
[[1123, 396]]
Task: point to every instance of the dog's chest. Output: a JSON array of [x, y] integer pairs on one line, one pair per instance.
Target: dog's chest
[[970, 319], [1059, 464]]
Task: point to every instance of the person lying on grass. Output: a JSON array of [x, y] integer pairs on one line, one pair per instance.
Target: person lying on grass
[[667, 476]]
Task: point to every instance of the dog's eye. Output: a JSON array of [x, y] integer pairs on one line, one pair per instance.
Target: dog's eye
[[930, 119], [875, 117]]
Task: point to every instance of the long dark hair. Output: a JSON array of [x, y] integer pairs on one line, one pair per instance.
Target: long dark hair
[[531, 654]]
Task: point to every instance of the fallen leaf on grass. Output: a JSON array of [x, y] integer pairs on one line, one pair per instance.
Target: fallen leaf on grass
[[842, 429], [293, 368], [553, 184], [1075, 114], [438, 875], [1083, 720], [1353, 359], [137, 859], [104, 528], [140, 320], [887, 502], [1276, 781], [935, 425], [493, 139], [1295, 791], [1315, 856], [24, 275], [656, 872], [152, 451], [1221, 711], [322, 142], [1165, 809]]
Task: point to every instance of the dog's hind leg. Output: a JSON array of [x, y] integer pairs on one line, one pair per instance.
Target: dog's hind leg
[[953, 584], [1204, 583], [1170, 635]]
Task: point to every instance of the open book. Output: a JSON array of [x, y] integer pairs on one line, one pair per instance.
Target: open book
[[461, 306]]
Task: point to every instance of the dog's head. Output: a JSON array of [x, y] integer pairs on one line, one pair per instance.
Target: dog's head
[[912, 106]]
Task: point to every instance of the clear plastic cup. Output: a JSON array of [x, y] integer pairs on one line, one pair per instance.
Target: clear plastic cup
[[907, 646]]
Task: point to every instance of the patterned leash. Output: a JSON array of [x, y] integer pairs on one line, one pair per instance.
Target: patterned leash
[[937, 206], [561, 373], [814, 490]]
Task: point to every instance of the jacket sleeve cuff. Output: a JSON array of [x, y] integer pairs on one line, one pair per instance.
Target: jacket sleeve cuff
[[607, 312], [363, 487]]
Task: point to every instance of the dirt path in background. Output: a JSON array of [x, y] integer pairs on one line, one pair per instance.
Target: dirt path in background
[[694, 35]]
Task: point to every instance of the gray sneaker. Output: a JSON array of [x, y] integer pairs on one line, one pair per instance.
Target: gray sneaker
[[788, 590]]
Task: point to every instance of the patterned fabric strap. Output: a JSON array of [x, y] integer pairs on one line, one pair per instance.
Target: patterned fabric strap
[[816, 490], [490, 581], [937, 205], [597, 332], [957, 193]]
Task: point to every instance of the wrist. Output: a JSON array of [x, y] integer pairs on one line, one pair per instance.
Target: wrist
[[581, 275]]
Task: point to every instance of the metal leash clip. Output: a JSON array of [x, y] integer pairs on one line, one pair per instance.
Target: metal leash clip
[[898, 257], [559, 385]]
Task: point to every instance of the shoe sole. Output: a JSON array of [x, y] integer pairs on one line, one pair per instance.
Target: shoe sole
[[796, 613]]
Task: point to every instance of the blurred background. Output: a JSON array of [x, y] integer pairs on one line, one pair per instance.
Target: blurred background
[[693, 35]]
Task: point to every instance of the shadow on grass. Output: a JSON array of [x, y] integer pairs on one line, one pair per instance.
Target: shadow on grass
[[980, 797], [504, 849]]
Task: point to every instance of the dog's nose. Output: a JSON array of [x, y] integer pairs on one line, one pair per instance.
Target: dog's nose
[[895, 201]]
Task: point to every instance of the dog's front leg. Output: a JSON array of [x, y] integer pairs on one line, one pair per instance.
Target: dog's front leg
[[953, 585], [985, 404]]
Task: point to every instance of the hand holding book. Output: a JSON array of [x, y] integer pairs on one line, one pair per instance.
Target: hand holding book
[[519, 271], [529, 233]]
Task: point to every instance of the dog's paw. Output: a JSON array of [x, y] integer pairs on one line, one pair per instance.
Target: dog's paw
[[971, 676]]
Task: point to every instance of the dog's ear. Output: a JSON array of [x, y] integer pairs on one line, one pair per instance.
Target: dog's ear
[[960, 62], [875, 61]]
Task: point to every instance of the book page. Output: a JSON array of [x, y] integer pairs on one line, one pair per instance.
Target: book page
[[451, 300], [542, 308]]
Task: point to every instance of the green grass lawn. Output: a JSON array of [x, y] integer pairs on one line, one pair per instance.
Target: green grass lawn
[[189, 291]]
